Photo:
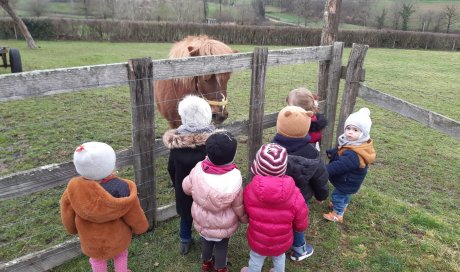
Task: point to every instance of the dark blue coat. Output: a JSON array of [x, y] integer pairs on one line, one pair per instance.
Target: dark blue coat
[[305, 167], [348, 167]]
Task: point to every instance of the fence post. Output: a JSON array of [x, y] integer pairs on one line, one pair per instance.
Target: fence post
[[352, 79], [140, 74], [335, 68], [256, 104]]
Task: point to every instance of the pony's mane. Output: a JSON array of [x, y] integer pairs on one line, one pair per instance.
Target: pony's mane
[[205, 46]]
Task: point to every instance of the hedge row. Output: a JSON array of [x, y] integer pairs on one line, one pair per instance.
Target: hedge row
[[135, 31]]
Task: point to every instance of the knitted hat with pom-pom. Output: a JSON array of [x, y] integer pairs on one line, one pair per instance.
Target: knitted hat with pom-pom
[[271, 160]]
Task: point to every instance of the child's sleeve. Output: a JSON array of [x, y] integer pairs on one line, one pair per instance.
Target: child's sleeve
[[187, 184], [136, 219], [68, 214], [171, 170], [349, 161], [319, 182], [238, 207]]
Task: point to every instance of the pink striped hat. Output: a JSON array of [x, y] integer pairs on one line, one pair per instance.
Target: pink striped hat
[[271, 160]]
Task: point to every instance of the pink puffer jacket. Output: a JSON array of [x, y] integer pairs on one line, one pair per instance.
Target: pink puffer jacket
[[217, 207], [275, 208]]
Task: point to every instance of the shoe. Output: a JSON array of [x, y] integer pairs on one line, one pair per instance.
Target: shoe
[[184, 247], [333, 216], [244, 269], [331, 206], [225, 269], [207, 266], [301, 253]]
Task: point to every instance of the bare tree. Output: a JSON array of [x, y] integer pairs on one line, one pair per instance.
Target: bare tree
[[5, 4], [406, 12], [395, 16], [451, 16], [259, 8], [425, 21], [37, 7], [205, 9], [381, 19]]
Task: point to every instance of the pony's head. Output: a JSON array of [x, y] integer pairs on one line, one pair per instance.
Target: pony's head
[[213, 87]]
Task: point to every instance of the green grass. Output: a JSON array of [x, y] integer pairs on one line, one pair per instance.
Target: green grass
[[405, 217]]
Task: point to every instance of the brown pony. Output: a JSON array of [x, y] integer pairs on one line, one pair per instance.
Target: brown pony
[[213, 88]]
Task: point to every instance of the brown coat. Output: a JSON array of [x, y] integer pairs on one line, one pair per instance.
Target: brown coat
[[105, 224]]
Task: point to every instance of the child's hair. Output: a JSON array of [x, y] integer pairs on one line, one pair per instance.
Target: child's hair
[[302, 97]]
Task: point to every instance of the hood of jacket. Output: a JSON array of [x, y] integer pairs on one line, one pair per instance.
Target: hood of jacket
[[365, 151], [93, 203], [172, 139], [273, 190]]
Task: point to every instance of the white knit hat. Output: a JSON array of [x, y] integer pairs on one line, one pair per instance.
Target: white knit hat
[[195, 112], [94, 160], [360, 119]]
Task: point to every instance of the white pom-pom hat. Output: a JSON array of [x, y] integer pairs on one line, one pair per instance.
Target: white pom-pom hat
[[195, 112], [360, 119], [94, 160]]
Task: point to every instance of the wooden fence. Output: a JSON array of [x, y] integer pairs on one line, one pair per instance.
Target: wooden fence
[[140, 74]]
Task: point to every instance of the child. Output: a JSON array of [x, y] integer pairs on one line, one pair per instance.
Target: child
[[303, 98], [304, 165], [187, 148], [275, 208], [349, 161], [101, 208], [215, 185]]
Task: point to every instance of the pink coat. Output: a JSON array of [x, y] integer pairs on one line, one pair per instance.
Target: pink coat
[[275, 208], [217, 205]]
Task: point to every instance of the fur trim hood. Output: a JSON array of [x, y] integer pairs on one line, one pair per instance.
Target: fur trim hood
[[173, 140]]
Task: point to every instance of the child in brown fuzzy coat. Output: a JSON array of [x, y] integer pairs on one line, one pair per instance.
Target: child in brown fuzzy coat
[[101, 208]]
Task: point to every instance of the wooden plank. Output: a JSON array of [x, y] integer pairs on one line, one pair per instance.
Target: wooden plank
[[431, 119], [46, 177], [143, 133], [343, 73], [256, 104], [352, 79], [332, 96], [49, 82], [54, 256]]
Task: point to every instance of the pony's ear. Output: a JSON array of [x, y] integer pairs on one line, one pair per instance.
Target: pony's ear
[[193, 51]]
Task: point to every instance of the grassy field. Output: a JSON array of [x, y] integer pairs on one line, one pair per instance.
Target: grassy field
[[405, 217]]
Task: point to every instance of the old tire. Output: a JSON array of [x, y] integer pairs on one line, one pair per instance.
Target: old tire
[[15, 60]]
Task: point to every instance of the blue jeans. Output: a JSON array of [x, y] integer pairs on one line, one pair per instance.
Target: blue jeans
[[256, 262], [340, 201], [299, 239], [185, 230]]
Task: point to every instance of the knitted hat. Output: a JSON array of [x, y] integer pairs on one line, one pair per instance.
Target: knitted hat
[[293, 122], [360, 119], [221, 147], [195, 112], [271, 160], [94, 160]]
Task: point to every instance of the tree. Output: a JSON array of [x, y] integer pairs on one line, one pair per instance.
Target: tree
[[259, 8], [302, 10], [381, 19], [38, 7], [205, 9], [5, 4], [451, 16], [406, 12]]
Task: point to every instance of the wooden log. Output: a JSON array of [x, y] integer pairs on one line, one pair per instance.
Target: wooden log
[[428, 118], [49, 82], [256, 104], [332, 96], [140, 73], [352, 79]]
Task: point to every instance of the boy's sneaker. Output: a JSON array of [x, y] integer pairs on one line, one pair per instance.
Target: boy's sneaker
[[333, 216], [301, 253]]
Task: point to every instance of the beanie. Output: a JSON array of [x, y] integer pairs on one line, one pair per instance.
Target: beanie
[[221, 147], [195, 112], [94, 160], [293, 122], [271, 160], [361, 119]]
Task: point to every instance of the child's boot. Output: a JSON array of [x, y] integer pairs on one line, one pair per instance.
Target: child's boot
[[224, 269], [333, 216], [207, 266], [302, 252], [184, 247]]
